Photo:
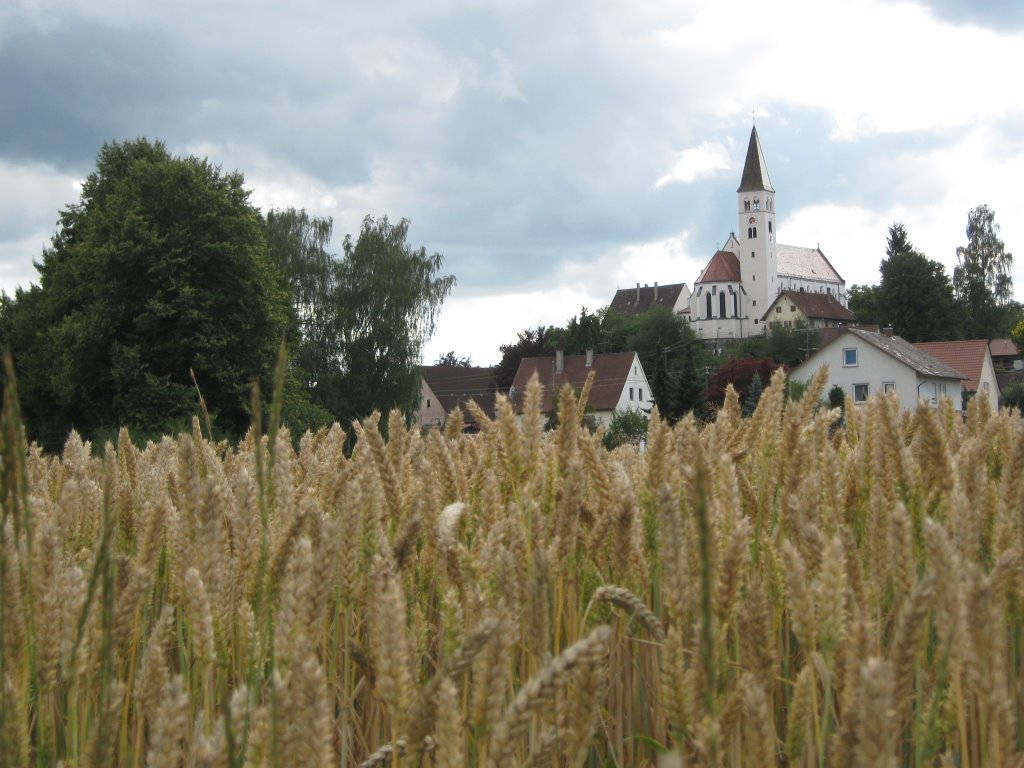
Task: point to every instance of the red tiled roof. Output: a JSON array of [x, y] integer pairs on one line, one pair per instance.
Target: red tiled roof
[[724, 267], [968, 357], [610, 372]]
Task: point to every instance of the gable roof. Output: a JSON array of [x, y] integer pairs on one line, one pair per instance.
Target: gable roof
[[611, 370], [724, 267], [815, 306], [906, 353], [968, 357], [755, 172], [630, 302], [1003, 348], [807, 263], [455, 385]]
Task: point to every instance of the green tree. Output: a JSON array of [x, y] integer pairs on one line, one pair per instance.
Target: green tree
[[627, 427], [387, 296], [160, 270], [1013, 396], [297, 244], [981, 279], [688, 394], [753, 396], [451, 360], [915, 295], [865, 302], [1017, 334], [582, 333]]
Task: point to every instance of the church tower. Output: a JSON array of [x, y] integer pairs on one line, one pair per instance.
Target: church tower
[[756, 234]]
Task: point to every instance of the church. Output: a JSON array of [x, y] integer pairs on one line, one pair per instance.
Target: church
[[736, 294]]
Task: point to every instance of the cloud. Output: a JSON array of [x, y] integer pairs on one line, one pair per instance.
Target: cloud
[[696, 162]]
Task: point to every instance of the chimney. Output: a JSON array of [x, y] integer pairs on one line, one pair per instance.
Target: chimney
[[655, 292], [559, 361], [887, 330], [590, 357]]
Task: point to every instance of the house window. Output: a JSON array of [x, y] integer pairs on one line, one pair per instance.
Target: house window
[[630, 393], [793, 308], [752, 255], [778, 310], [888, 386], [640, 394], [788, 324], [428, 402], [849, 357], [984, 385], [860, 393]]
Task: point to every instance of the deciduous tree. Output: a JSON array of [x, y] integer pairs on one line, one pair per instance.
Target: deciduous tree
[[981, 279], [160, 270]]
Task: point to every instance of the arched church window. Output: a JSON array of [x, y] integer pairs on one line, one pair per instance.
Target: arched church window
[[757, 204], [709, 305], [721, 304], [746, 204], [769, 226]]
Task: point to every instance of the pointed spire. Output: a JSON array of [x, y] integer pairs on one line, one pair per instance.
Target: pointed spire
[[755, 172]]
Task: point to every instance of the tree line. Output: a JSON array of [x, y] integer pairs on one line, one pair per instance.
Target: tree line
[[164, 284], [921, 302]]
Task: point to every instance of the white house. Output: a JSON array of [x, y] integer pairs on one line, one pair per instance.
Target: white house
[[620, 382], [864, 362]]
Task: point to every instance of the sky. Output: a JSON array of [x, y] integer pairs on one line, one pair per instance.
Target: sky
[[552, 152]]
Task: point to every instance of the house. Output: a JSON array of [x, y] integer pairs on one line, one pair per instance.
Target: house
[[1005, 355], [620, 382], [974, 360], [630, 302], [446, 387], [865, 362], [814, 310]]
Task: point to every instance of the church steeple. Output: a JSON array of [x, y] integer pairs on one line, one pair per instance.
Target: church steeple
[[755, 172]]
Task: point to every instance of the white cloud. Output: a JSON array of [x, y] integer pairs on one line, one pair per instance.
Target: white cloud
[[696, 162], [876, 67]]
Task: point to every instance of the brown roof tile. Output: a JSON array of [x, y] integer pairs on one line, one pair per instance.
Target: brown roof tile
[[816, 306], [1003, 348], [610, 372], [455, 385]]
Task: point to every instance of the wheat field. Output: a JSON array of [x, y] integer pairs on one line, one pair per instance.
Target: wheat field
[[778, 590]]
